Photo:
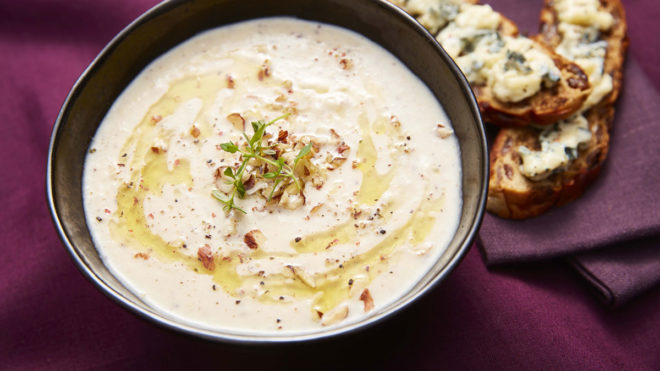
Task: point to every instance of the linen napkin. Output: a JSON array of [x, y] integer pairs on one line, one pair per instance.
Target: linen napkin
[[619, 274], [611, 235]]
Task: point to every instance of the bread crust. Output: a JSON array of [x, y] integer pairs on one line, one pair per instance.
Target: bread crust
[[511, 194]]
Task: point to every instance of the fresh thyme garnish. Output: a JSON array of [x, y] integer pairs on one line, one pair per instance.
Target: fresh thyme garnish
[[255, 149]]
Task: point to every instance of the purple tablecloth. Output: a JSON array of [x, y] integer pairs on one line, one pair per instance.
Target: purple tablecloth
[[611, 235], [535, 316]]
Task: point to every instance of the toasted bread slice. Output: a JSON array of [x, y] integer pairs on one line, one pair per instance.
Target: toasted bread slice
[[512, 195], [544, 108], [616, 38]]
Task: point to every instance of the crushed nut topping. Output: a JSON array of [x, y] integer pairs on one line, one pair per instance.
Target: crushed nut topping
[[303, 276], [316, 208], [336, 315], [276, 169], [368, 301], [237, 121], [141, 255], [205, 255], [194, 131], [443, 131], [346, 63], [281, 136], [264, 71], [254, 238]]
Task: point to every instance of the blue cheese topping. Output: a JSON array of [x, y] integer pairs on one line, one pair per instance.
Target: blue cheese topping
[[586, 13], [580, 24], [433, 14], [559, 146], [513, 67]]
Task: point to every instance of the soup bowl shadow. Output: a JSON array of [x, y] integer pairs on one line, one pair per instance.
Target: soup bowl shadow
[[172, 22]]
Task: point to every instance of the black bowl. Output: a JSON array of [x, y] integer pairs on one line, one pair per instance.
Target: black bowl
[[172, 22]]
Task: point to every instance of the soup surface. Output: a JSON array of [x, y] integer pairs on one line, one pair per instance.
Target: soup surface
[[273, 176]]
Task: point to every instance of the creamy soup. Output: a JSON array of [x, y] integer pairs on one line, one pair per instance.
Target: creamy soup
[[273, 176]]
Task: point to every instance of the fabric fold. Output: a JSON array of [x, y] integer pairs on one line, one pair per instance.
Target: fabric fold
[[619, 210], [620, 274]]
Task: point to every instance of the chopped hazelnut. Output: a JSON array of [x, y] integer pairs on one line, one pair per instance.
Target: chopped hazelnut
[[237, 121], [303, 276], [264, 71], [335, 315], [282, 136], [141, 256], [343, 147], [346, 63], [368, 301], [205, 255], [254, 238], [395, 121], [443, 132], [194, 131], [316, 208]]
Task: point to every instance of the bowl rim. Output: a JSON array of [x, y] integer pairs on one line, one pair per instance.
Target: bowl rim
[[156, 317]]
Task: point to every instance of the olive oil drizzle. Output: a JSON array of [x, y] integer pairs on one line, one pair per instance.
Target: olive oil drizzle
[[371, 190], [150, 172], [373, 184], [320, 241], [148, 129], [335, 285]]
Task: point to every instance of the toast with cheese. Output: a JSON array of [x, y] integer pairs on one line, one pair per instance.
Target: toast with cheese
[[615, 37], [513, 195], [516, 80], [533, 170], [547, 106]]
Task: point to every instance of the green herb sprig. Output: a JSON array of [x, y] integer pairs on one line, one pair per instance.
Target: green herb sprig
[[255, 149]]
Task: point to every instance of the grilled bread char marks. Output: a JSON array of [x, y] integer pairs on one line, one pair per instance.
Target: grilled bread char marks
[[514, 194], [615, 37]]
